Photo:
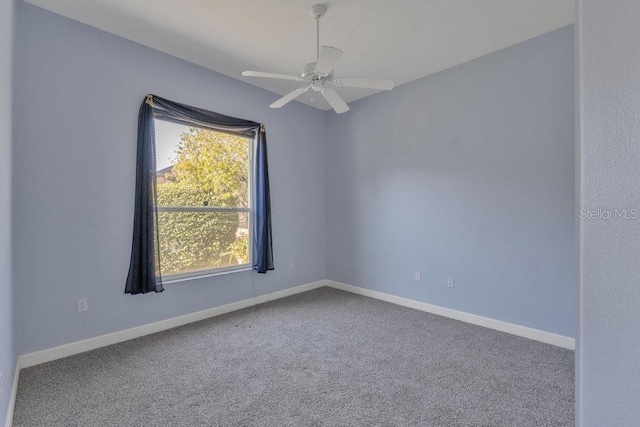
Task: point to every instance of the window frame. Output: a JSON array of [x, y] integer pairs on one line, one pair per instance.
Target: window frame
[[250, 210]]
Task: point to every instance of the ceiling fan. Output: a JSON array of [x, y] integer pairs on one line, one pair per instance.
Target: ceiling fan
[[318, 75]]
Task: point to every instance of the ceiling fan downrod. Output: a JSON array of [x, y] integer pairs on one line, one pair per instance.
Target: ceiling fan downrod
[[317, 11]]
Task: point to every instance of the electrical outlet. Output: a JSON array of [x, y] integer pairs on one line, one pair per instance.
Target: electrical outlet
[[292, 266], [451, 282], [82, 305], [416, 276]]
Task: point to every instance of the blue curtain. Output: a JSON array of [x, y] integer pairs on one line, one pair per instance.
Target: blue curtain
[[263, 250], [144, 271], [144, 274]]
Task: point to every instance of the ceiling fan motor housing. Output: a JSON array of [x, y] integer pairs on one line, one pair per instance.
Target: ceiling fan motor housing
[[310, 74]]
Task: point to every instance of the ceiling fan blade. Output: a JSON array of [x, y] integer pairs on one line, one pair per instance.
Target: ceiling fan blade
[[338, 105], [271, 75], [382, 84], [327, 59], [289, 97]]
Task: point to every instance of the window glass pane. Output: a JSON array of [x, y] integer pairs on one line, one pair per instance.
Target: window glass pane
[[199, 171], [192, 241], [198, 167]]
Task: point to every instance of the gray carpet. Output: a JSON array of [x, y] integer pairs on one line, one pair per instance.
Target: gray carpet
[[324, 357]]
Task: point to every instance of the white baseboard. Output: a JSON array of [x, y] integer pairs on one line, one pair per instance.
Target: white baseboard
[[12, 396], [511, 328], [47, 355]]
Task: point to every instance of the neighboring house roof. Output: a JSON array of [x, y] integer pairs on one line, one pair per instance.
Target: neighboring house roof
[[164, 171]]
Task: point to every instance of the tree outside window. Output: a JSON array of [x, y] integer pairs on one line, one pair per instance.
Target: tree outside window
[[203, 199]]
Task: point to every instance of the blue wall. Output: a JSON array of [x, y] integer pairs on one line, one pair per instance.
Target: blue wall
[[78, 90], [466, 173], [7, 357]]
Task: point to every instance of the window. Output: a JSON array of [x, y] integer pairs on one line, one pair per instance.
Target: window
[[203, 200], [213, 198]]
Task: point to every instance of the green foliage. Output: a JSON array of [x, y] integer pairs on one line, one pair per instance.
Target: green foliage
[[240, 248], [209, 169], [214, 163]]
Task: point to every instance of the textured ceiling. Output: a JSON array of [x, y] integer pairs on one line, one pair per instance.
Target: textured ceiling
[[398, 39]]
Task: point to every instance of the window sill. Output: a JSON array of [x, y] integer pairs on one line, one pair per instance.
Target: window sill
[[203, 275]]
